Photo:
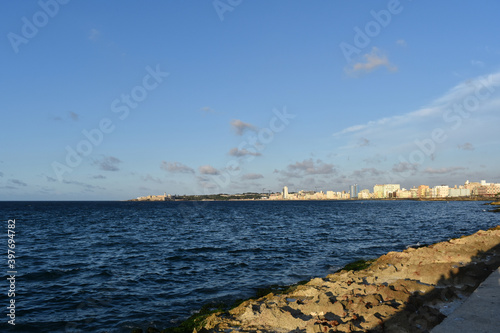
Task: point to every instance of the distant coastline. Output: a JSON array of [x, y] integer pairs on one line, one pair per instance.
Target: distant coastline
[[475, 191], [262, 197]]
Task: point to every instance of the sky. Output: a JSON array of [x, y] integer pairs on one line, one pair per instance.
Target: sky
[[118, 99]]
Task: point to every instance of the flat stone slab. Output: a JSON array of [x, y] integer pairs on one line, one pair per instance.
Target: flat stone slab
[[480, 313]]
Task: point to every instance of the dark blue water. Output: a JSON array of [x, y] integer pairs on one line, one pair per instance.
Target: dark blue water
[[113, 266]]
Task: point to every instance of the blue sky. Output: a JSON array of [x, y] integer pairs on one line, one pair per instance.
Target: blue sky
[[117, 99]]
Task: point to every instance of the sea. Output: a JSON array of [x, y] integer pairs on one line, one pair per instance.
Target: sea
[[117, 266]]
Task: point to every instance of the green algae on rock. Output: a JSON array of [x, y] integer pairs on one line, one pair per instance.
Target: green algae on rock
[[412, 290]]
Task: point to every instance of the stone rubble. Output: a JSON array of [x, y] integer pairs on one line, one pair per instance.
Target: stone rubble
[[408, 291]]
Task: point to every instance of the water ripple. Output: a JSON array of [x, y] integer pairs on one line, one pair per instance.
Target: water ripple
[[114, 266]]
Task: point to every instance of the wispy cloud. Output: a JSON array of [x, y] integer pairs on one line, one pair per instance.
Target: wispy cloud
[[376, 159], [208, 170], [74, 116], [240, 127], [371, 61], [466, 146], [50, 179], [206, 183], [251, 176], [207, 109], [401, 42], [363, 142], [405, 167], [94, 34], [71, 115], [243, 152], [9, 187], [309, 167], [175, 167], [149, 178], [477, 63], [367, 172], [89, 187], [458, 94], [108, 163], [17, 182], [441, 171]]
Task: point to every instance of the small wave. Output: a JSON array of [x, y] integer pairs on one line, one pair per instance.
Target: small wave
[[50, 274], [252, 250], [202, 249]]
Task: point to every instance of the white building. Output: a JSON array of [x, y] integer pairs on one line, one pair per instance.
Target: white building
[[440, 191], [285, 192], [459, 192], [386, 190]]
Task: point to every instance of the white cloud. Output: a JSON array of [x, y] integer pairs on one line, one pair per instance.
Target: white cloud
[[405, 167], [371, 61], [207, 109], [466, 146], [251, 176], [243, 152], [208, 170], [240, 127], [175, 167], [108, 163], [88, 187], [376, 159], [450, 170], [477, 63], [367, 172], [309, 167], [363, 142], [461, 94]]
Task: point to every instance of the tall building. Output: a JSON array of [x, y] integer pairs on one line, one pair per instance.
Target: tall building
[[285, 192], [354, 191], [378, 191], [423, 191]]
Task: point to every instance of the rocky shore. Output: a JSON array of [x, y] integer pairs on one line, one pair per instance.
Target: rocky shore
[[408, 291], [497, 204]]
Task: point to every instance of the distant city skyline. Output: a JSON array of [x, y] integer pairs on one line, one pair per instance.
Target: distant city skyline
[[118, 100], [467, 189]]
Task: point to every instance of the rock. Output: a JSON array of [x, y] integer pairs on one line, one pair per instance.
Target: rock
[[399, 292]]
